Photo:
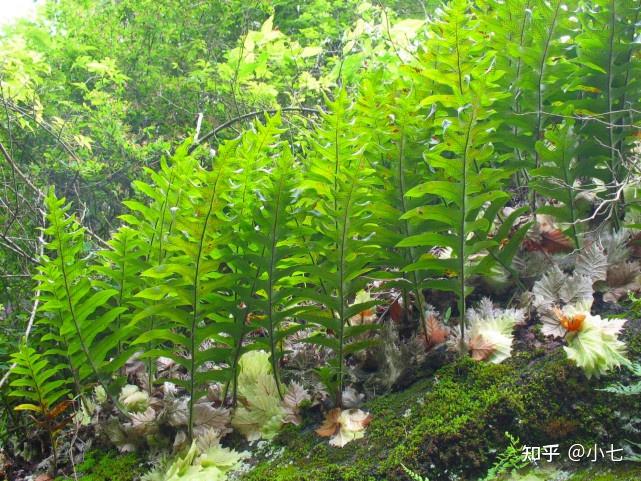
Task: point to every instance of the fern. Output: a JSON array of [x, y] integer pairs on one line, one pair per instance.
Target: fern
[[604, 76], [261, 201], [530, 48], [153, 223], [77, 307], [191, 293], [413, 476], [393, 128], [538, 82], [462, 204], [633, 389], [38, 383], [121, 269], [274, 259], [508, 461], [339, 187], [44, 392]]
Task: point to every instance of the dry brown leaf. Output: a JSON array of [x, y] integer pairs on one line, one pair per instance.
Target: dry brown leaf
[[480, 348], [396, 311], [623, 274], [550, 240], [437, 333], [330, 424], [59, 408]]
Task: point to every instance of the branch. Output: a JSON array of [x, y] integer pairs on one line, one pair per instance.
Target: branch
[[249, 115], [40, 194], [45, 126], [19, 172]]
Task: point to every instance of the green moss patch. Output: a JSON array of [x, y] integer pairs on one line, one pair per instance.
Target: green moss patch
[[108, 466]]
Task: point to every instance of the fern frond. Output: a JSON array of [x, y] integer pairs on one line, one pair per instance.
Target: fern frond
[[467, 193], [413, 476], [190, 289], [43, 391], [39, 383], [78, 307], [341, 182], [261, 200], [274, 259], [153, 219], [392, 128], [121, 267], [633, 389], [557, 177]]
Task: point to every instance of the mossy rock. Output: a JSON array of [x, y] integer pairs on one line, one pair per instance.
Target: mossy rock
[[619, 472], [452, 425]]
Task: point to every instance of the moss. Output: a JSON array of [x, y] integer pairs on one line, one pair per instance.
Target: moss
[[455, 421], [108, 466]]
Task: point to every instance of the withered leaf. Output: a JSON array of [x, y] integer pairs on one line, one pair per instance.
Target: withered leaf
[[330, 425], [480, 348]]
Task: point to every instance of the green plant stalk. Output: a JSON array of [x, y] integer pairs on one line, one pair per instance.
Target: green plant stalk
[[614, 163], [407, 232], [539, 89], [463, 238], [150, 362], [270, 293], [121, 294], [195, 316]]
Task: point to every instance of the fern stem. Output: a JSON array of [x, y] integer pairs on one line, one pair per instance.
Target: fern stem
[[341, 287], [463, 236], [407, 232], [614, 164], [272, 268], [196, 302], [539, 89], [121, 290], [43, 404], [163, 210]]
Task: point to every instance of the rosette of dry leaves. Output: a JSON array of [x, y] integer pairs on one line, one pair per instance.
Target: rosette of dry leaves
[[490, 335]]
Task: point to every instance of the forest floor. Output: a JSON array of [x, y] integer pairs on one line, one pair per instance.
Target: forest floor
[[450, 423]]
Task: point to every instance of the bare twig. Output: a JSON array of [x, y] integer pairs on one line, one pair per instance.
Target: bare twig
[[39, 192]]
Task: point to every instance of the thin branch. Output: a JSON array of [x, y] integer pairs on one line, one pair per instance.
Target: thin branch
[[249, 115], [45, 126], [17, 170], [39, 192]]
